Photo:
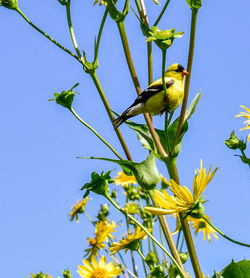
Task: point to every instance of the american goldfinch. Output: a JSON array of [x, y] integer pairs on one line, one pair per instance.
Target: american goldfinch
[[152, 100]]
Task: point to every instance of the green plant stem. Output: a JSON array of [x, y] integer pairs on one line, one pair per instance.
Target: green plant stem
[[100, 32], [189, 69], [141, 254], [143, 262], [89, 218], [131, 252], [47, 36], [72, 34], [96, 133], [225, 236], [110, 114], [182, 273], [130, 63], [161, 13], [144, 17], [173, 173], [162, 242], [168, 235]]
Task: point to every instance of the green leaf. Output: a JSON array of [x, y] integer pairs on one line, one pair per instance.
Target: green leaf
[[194, 4], [146, 173], [144, 135], [240, 270]]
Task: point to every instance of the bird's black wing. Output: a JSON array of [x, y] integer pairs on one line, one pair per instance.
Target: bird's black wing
[[151, 91]]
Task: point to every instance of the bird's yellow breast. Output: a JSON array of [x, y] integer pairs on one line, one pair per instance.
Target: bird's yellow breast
[[175, 94]]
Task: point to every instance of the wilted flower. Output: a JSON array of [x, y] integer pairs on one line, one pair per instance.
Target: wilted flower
[[201, 225], [103, 232], [100, 270], [79, 207], [130, 241]]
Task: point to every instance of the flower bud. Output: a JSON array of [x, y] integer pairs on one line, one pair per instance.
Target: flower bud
[[183, 257], [103, 212], [9, 4], [158, 271], [151, 259], [234, 143]]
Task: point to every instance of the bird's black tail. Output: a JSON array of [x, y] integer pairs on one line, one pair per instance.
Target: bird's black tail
[[118, 121]]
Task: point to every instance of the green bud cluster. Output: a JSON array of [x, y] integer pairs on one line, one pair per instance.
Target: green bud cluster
[[99, 184], [66, 274], [163, 38], [65, 98], [197, 211]]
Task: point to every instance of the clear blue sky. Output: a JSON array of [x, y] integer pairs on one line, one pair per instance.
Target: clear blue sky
[[40, 175]]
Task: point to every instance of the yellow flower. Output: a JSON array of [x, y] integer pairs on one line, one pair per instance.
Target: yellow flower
[[201, 225], [103, 232], [183, 199], [131, 207], [247, 122], [79, 207], [124, 180], [130, 241], [101, 270], [164, 182]]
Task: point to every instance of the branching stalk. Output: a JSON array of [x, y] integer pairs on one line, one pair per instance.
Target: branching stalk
[[96, 80]]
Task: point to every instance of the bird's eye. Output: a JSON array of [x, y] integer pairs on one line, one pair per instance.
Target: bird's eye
[[180, 68]]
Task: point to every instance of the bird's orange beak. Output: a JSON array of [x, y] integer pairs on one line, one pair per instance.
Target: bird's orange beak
[[184, 72]]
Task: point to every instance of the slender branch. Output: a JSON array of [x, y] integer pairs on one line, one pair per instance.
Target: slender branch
[[96, 133], [189, 69], [182, 273], [71, 30], [222, 234], [162, 12], [143, 262], [110, 114], [47, 36], [141, 254], [149, 44], [100, 32]]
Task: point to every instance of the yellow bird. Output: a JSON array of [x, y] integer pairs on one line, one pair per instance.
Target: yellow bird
[[152, 100]]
